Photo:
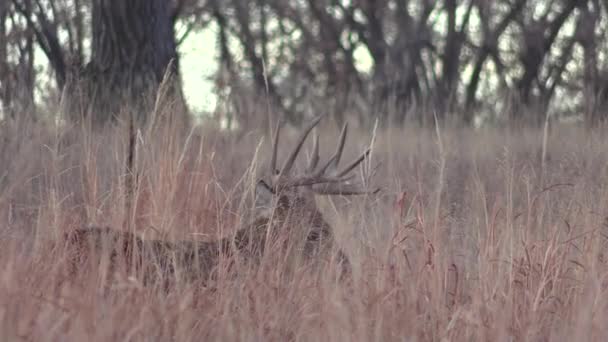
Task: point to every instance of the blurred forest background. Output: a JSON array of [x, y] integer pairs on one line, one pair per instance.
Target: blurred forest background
[[471, 61]]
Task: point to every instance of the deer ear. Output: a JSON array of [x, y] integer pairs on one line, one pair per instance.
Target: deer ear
[[263, 195]]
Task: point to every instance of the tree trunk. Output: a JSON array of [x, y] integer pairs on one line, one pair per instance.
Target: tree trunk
[[133, 54], [5, 99]]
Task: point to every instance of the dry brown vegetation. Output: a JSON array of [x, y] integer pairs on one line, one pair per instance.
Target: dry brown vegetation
[[477, 235]]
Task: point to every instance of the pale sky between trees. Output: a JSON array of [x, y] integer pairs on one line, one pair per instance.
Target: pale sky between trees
[[198, 64], [198, 58]]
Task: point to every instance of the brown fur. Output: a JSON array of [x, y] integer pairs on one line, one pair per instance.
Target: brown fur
[[156, 260]]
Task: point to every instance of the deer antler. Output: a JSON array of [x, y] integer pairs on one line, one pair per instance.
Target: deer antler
[[325, 180], [292, 157]]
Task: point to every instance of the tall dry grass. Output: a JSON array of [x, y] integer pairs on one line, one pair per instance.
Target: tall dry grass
[[476, 236]]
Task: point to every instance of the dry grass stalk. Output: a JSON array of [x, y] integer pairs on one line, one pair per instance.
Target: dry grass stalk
[[287, 217]]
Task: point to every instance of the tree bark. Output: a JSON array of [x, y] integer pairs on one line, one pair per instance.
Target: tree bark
[[5, 99], [133, 61], [539, 37], [489, 47]]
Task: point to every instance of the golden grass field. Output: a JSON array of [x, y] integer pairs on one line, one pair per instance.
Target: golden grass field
[[477, 235]]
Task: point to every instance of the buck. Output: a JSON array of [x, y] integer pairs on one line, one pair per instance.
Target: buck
[[287, 216]]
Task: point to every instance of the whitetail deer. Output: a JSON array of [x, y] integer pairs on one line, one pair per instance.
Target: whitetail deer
[[287, 209]]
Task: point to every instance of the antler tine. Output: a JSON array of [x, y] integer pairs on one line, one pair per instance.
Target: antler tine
[[314, 159], [322, 170], [354, 164], [275, 147], [340, 146], [335, 158], [292, 157]]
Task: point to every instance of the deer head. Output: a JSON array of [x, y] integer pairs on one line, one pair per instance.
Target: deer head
[[288, 197]]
